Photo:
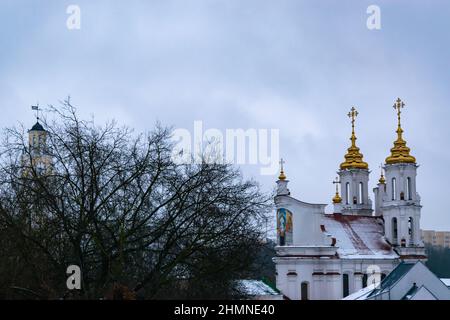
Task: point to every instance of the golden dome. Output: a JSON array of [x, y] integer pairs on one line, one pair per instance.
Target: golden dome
[[400, 152], [382, 179], [353, 158], [337, 198]]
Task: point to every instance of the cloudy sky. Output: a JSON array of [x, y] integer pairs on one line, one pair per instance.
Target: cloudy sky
[[297, 66]]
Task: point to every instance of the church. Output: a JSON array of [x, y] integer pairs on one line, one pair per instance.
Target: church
[[321, 256]]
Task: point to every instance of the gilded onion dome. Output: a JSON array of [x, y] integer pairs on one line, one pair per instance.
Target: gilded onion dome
[[337, 198], [353, 158], [400, 152]]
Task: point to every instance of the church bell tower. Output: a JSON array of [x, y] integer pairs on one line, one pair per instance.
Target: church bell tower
[[399, 200]]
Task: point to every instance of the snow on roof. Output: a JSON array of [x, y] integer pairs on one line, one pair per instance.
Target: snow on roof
[[361, 294], [446, 281], [256, 288], [358, 236]]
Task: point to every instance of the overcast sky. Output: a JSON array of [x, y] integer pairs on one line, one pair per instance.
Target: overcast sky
[[296, 66]]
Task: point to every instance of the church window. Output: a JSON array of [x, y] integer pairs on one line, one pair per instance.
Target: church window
[[408, 188], [394, 189], [394, 231], [345, 285], [347, 193], [304, 291], [411, 228], [364, 280], [360, 193]]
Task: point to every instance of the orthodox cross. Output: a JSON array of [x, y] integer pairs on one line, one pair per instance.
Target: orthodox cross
[[336, 182], [399, 104], [282, 162], [352, 115]]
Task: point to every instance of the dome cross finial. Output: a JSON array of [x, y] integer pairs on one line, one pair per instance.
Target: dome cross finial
[[282, 175], [398, 105], [352, 115]]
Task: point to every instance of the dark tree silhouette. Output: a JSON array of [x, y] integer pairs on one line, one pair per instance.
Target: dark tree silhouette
[[138, 223]]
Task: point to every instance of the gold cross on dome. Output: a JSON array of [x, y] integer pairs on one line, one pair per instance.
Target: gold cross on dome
[[352, 115], [282, 162], [336, 182], [398, 105]]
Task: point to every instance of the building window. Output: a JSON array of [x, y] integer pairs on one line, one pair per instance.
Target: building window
[[347, 193], [364, 280], [383, 275], [394, 189], [411, 229], [394, 231], [345, 285], [304, 291], [408, 188], [360, 193]]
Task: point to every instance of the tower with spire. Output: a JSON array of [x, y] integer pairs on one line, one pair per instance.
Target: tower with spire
[[397, 198], [36, 159], [354, 177]]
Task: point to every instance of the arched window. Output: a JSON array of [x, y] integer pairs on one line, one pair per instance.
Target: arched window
[[360, 193], [411, 229], [383, 275], [408, 188], [304, 291], [345, 285], [394, 231], [364, 280], [347, 193], [394, 189]]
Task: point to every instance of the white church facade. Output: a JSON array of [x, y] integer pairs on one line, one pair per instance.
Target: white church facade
[[323, 256]]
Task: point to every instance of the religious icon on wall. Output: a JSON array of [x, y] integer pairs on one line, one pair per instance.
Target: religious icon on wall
[[284, 227]]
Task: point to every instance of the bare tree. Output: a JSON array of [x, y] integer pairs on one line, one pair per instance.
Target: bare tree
[[117, 205]]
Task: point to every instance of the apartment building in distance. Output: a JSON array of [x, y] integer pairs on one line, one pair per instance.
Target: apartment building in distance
[[436, 238]]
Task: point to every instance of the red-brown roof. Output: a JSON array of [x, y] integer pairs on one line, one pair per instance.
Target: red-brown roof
[[358, 236]]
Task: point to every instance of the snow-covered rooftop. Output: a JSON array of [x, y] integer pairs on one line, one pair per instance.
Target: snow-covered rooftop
[[358, 236], [361, 294], [446, 281], [256, 288]]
